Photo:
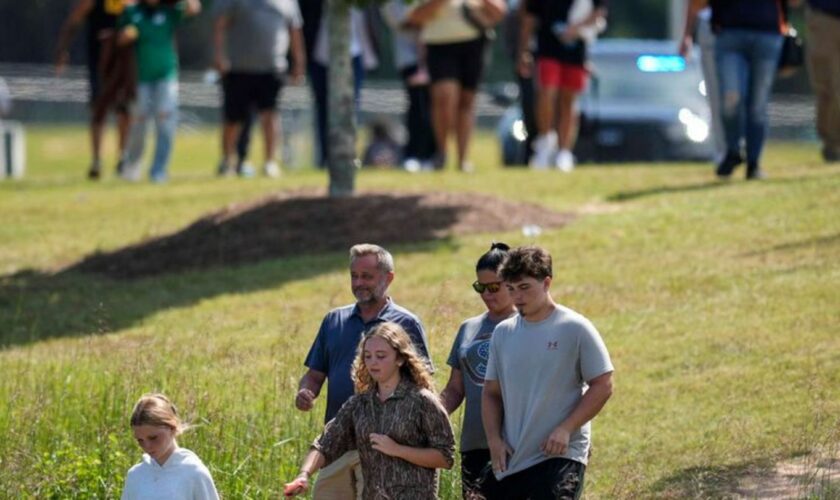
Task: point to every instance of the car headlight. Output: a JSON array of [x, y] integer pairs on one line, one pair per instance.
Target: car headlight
[[696, 128], [519, 132]]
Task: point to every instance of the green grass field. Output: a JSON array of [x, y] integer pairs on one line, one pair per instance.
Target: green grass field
[[719, 302]]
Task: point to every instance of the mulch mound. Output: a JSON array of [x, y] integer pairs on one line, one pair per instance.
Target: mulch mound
[[307, 222]]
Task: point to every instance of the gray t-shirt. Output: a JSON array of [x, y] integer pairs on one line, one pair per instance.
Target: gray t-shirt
[[542, 368], [258, 33], [469, 354]]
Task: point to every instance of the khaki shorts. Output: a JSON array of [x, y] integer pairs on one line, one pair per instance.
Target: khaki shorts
[[341, 480]]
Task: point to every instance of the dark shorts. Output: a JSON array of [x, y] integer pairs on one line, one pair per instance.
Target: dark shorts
[[244, 92], [553, 479], [462, 61], [474, 464]]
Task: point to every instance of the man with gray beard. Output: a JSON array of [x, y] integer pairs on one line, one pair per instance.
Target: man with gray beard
[[331, 356]]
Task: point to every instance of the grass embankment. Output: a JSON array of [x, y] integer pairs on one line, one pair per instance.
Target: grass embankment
[[718, 302]]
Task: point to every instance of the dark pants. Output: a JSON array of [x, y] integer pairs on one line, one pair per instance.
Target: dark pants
[[553, 479], [418, 120], [318, 78], [474, 464], [527, 100]]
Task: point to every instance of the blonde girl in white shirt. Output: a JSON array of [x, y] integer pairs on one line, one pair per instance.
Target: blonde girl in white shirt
[[166, 470]]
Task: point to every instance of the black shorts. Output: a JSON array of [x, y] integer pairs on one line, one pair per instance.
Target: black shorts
[[474, 464], [244, 92], [552, 479], [462, 61]]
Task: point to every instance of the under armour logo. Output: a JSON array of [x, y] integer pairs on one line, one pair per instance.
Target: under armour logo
[[552, 346]]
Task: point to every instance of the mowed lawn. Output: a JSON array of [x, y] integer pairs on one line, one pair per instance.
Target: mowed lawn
[[719, 303]]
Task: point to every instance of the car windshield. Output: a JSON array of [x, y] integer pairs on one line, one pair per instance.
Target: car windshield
[[646, 79]]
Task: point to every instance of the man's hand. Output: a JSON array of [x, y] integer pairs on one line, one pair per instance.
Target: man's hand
[[298, 486], [499, 451], [305, 400], [557, 443], [384, 444]]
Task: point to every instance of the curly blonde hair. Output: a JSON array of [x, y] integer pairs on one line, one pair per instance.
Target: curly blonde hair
[[414, 367]]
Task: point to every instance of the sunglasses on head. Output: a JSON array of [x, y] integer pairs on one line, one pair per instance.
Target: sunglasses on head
[[490, 287]]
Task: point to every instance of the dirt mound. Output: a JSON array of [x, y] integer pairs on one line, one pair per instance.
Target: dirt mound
[[307, 222]]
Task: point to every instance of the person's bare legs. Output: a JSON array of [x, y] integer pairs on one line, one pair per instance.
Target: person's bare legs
[[465, 121], [270, 126], [97, 128], [444, 95], [545, 144], [545, 112], [230, 132], [567, 123]]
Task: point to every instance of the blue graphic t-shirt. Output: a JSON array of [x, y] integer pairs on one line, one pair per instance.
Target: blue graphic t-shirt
[[470, 353]]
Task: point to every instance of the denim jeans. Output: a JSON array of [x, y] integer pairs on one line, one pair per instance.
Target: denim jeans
[[157, 100], [746, 62]]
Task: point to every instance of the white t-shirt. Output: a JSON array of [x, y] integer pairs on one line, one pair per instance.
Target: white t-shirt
[[542, 368], [182, 477]]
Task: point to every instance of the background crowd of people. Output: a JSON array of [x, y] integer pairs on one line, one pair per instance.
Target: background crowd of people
[[440, 49]]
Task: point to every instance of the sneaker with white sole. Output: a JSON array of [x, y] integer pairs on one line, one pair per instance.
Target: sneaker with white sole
[[565, 161], [544, 150], [271, 169]]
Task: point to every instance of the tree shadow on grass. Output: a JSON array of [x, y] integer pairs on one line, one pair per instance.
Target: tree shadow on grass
[[240, 249]]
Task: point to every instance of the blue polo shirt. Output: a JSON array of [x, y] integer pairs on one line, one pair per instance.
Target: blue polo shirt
[[338, 339]]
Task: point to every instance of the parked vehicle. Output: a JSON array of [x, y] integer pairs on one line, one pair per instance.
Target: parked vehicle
[[644, 103]]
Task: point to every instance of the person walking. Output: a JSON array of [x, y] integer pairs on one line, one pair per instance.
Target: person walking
[[166, 470], [563, 30], [332, 353], [823, 24], [548, 375], [394, 422], [252, 40], [151, 25], [100, 18], [468, 360], [748, 42], [455, 41]]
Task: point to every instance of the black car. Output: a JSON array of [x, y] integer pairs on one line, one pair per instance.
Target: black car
[[644, 103]]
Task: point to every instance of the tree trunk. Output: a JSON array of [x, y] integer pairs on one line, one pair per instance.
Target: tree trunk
[[341, 116]]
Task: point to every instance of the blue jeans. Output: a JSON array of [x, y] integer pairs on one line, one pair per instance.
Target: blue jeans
[[746, 62], [158, 100]]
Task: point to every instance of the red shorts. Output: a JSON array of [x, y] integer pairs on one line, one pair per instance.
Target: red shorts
[[555, 74]]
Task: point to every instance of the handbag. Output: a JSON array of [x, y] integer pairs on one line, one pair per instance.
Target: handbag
[[792, 55]]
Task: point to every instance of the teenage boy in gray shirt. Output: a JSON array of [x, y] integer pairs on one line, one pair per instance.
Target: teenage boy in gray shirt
[[548, 375]]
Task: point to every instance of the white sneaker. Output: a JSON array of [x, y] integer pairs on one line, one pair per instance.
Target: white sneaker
[[271, 169], [544, 150], [131, 172], [565, 161]]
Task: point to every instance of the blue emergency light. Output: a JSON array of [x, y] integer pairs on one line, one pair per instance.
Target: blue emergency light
[[660, 64]]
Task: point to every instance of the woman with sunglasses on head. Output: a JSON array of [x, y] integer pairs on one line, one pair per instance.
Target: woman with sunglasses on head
[[468, 359]]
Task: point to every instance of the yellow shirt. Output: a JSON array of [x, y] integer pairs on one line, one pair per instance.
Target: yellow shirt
[[449, 25]]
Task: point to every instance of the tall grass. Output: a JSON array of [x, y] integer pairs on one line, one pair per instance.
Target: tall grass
[[718, 302]]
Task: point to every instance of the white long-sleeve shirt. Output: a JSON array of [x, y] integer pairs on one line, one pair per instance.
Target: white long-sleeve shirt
[[182, 477]]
